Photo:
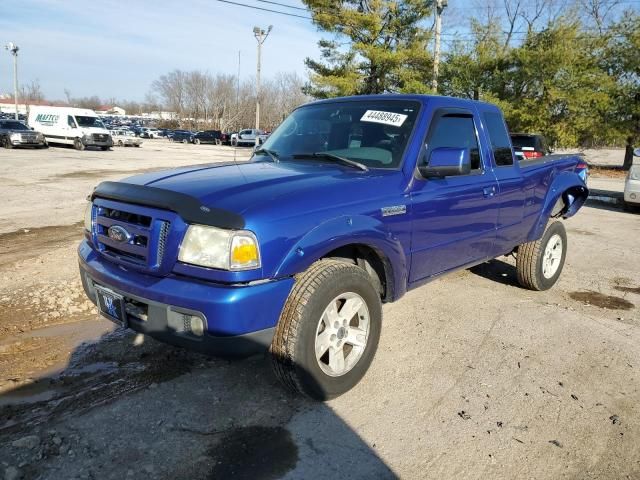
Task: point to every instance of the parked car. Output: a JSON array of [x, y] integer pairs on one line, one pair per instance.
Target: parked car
[[527, 145], [225, 138], [364, 199], [183, 136], [70, 126], [207, 136], [632, 185], [245, 137], [150, 133], [14, 133], [125, 138]]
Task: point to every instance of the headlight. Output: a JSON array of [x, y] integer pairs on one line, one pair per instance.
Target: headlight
[[88, 217], [15, 136], [40, 136], [218, 248]]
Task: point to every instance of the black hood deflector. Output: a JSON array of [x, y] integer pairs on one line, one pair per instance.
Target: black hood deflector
[[189, 208]]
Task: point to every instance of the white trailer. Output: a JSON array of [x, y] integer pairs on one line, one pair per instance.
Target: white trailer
[[79, 127]]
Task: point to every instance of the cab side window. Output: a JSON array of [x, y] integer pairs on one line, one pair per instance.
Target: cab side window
[[455, 130], [71, 122], [499, 137]]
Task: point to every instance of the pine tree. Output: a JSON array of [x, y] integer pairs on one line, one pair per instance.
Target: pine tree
[[385, 50]]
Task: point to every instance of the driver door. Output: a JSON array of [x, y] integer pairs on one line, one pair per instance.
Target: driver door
[[454, 218]]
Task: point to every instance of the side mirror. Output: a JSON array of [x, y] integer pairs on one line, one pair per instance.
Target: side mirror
[[636, 152], [446, 162]]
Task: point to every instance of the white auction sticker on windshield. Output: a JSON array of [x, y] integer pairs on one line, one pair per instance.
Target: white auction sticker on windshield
[[386, 118]]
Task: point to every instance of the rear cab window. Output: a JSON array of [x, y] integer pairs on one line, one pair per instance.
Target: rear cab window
[[499, 138]]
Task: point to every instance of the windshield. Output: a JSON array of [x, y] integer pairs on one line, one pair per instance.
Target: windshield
[[89, 122], [14, 125], [374, 133]]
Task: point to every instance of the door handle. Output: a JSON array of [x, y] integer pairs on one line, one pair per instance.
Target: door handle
[[489, 191]]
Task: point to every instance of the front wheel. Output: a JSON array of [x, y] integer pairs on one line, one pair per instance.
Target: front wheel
[[78, 145], [540, 263], [196, 141], [7, 143], [328, 331]]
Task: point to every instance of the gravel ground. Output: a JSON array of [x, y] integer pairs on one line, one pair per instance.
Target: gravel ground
[[474, 377]]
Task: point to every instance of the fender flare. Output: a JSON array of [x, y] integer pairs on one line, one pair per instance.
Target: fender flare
[[350, 230], [565, 196]]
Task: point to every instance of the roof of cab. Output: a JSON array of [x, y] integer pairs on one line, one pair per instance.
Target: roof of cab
[[460, 102]]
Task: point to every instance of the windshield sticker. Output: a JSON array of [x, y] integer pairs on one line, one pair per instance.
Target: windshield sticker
[[386, 118]]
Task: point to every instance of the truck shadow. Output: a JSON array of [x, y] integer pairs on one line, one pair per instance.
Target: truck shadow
[[130, 404], [498, 271]]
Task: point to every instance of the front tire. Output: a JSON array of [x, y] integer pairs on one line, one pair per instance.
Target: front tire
[[7, 143], [539, 264], [78, 145], [328, 331]]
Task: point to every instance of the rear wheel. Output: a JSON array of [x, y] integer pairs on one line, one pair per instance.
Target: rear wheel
[[328, 331], [120, 143], [78, 145], [196, 141], [185, 141], [540, 263]]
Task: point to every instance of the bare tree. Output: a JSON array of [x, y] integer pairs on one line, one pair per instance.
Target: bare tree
[[599, 10]]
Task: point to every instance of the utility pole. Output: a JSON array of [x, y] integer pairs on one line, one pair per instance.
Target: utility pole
[[440, 6], [13, 48], [261, 36], [238, 83]]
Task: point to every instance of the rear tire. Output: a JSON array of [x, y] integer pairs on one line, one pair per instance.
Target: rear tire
[[328, 330], [539, 264], [185, 141], [196, 141]]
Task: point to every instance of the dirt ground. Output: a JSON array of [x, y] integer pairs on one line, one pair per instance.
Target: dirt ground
[[475, 377]]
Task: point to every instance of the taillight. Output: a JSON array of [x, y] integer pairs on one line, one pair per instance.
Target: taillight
[[582, 169], [529, 154]]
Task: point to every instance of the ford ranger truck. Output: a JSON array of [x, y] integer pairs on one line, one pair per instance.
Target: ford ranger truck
[[350, 203]]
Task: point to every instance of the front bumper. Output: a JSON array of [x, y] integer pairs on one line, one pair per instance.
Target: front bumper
[[26, 143], [92, 142], [632, 191], [239, 319]]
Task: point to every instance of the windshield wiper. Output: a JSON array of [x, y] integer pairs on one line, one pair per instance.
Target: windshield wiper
[[271, 153], [331, 156]]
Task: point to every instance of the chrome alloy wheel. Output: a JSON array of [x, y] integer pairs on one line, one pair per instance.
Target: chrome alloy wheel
[[342, 333], [552, 256]]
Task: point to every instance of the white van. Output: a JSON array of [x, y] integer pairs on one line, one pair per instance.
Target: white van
[[71, 126]]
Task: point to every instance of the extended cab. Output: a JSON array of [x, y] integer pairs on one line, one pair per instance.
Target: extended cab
[[350, 203]]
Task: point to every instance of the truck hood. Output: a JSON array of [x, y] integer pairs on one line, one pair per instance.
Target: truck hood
[[251, 186]]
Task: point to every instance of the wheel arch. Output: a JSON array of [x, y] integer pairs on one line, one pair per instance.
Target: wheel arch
[[566, 195], [360, 240]]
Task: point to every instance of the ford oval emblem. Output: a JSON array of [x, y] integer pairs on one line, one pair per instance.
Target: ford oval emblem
[[118, 234]]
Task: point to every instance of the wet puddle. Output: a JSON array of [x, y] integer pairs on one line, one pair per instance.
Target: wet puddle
[[600, 300], [621, 288], [244, 451]]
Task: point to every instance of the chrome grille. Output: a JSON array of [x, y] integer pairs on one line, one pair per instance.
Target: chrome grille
[[140, 235], [162, 239]]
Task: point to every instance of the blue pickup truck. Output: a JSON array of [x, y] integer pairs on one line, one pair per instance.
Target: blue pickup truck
[[350, 203]]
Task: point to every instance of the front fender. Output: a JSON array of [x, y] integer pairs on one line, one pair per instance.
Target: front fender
[[566, 195], [349, 230]]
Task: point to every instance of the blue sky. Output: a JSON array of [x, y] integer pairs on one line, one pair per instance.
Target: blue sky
[[116, 48]]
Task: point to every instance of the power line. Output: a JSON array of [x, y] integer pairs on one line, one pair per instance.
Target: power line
[[264, 9], [285, 5]]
